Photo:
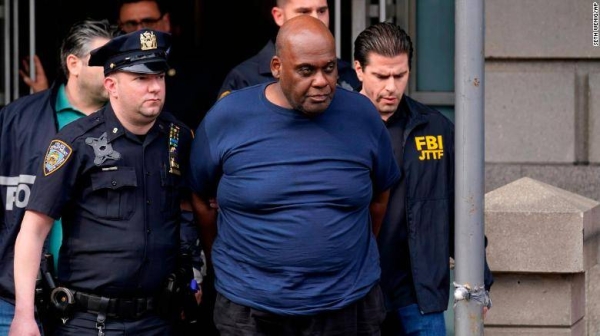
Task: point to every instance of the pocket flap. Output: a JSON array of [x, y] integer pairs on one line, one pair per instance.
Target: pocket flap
[[114, 179]]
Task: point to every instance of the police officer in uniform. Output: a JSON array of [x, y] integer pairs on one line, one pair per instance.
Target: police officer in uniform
[[115, 178]]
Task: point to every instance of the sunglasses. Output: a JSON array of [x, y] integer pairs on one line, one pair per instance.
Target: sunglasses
[[132, 25]]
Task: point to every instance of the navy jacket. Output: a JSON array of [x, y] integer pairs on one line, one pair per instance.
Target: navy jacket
[[424, 150], [26, 127], [257, 70]]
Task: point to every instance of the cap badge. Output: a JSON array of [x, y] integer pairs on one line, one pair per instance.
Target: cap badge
[[148, 41]]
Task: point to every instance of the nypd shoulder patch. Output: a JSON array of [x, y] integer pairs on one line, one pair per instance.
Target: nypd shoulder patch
[[58, 153]]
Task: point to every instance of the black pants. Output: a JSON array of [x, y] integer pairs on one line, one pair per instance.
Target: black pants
[[83, 324], [362, 317]]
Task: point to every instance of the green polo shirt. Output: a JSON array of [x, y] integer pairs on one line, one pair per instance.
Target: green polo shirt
[[65, 113]]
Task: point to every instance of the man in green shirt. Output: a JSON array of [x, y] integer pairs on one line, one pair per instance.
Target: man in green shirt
[[83, 93], [26, 127]]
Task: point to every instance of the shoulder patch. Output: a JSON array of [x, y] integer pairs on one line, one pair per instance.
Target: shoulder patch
[[58, 153]]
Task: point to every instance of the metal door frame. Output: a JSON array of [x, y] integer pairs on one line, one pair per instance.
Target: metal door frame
[[9, 13]]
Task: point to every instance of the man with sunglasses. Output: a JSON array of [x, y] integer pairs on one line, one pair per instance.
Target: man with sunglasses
[[189, 91], [138, 14]]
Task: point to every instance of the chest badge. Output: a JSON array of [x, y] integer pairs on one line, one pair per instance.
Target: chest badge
[[173, 150], [102, 149], [58, 153]]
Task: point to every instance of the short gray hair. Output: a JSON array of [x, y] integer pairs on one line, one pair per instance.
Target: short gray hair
[[79, 40]]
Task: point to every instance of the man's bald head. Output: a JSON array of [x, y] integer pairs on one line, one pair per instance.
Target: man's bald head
[[305, 64], [302, 30]]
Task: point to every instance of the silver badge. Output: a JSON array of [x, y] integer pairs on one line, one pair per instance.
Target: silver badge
[[102, 149]]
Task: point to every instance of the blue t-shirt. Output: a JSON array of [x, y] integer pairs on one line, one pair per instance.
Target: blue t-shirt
[[294, 234]]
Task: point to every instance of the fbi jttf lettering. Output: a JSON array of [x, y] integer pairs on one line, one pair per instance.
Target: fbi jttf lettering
[[431, 147]]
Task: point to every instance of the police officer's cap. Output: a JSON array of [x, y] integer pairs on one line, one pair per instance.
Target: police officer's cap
[[143, 51]]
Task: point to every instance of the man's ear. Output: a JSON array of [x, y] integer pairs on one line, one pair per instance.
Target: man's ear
[[110, 84], [359, 70], [74, 65], [276, 67], [277, 14]]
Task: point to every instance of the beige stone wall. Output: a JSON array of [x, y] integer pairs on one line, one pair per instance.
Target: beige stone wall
[[543, 252], [530, 115], [546, 29], [593, 95], [542, 100], [537, 300]]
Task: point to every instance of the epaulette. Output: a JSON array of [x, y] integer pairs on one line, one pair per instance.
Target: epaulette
[[79, 127]]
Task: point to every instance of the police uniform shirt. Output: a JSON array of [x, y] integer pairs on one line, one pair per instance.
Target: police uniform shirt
[[118, 195]]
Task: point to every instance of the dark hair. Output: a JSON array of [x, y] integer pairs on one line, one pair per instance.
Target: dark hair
[[385, 39], [162, 6], [79, 40]]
